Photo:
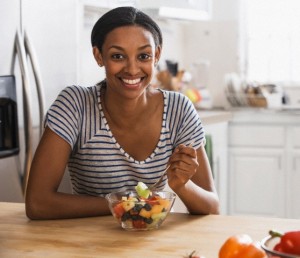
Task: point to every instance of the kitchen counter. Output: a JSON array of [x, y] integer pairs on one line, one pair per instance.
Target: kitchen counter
[[264, 115], [214, 116], [102, 236]]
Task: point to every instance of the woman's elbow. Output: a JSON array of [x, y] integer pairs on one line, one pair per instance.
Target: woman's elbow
[[215, 207], [212, 207], [33, 208]]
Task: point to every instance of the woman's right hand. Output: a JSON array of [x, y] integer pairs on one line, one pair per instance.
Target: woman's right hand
[[183, 165]]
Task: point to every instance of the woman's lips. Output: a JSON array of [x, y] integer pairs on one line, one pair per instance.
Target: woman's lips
[[132, 83]]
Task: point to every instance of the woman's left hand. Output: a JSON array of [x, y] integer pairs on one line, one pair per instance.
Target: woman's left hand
[[183, 165]]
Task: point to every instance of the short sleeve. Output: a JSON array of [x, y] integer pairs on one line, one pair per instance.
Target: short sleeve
[[189, 127], [63, 116]]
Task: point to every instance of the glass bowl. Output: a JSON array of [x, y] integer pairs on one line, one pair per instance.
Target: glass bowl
[[268, 244], [135, 213]]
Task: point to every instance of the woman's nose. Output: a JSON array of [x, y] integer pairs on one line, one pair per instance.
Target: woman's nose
[[132, 66]]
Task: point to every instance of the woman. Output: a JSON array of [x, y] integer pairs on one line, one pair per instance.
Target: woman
[[120, 131]]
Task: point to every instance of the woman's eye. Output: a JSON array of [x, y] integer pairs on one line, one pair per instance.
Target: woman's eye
[[117, 56], [145, 57]]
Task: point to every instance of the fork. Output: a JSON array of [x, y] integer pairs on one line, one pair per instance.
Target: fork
[[152, 187]]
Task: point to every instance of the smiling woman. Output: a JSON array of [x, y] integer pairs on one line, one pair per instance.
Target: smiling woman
[[120, 131]]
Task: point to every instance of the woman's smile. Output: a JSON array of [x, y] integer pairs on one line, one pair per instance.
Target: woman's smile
[[132, 83]]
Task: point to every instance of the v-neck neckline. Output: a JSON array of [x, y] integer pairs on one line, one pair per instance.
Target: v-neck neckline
[[127, 155]]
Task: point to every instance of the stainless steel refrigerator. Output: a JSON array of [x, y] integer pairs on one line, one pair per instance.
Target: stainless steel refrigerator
[[38, 58]]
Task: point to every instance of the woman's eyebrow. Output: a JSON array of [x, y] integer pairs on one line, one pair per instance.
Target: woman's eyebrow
[[121, 48]]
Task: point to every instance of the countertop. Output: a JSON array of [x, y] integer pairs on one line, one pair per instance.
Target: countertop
[[103, 237], [250, 114], [264, 115], [214, 116]]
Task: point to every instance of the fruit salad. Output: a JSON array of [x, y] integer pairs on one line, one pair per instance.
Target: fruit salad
[[143, 210]]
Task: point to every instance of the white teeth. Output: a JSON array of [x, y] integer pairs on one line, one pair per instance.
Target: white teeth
[[132, 81]]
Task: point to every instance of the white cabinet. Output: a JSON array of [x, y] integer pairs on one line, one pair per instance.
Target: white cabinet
[[264, 164], [256, 182]]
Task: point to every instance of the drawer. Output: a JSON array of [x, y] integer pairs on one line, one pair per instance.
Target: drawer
[[241, 135]]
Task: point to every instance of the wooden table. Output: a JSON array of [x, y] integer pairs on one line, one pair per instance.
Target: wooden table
[[102, 237]]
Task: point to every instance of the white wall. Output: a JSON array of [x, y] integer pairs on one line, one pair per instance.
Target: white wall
[[217, 42], [52, 25]]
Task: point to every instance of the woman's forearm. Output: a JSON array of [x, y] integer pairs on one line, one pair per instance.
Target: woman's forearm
[[197, 200], [65, 206]]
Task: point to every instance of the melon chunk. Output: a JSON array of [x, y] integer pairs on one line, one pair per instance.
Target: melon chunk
[[142, 190]]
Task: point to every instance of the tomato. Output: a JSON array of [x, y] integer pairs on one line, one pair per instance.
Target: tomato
[[193, 255], [241, 246]]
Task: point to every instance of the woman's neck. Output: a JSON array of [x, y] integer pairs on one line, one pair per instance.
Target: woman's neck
[[123, 113]]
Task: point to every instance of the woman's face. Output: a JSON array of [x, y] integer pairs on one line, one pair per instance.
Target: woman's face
[[129, 56]]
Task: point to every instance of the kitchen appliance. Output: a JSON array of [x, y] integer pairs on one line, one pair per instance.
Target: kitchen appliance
[[9, 131], [25, 24], [23, 50]]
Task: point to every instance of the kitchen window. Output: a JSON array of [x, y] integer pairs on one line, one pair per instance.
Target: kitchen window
[[271, 30]]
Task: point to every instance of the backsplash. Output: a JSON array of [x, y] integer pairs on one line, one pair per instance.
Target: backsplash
[[293, 95]]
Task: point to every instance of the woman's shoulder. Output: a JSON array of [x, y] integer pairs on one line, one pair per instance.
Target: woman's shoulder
[[80, 89], [174, 94], [176, 98], [77, 92]]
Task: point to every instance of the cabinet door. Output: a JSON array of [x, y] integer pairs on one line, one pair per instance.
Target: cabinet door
[[219, 134], [293, 175], [256, 182], [293, 186]]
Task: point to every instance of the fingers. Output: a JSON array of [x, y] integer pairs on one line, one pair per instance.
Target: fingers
[[189, 150], [183, 165], [184, 154]]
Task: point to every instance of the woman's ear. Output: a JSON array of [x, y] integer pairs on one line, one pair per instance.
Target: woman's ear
[[97, 56], [157, 55]]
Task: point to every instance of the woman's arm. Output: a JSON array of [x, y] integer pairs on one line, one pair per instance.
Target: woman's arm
[[43, 201], [190, 177]]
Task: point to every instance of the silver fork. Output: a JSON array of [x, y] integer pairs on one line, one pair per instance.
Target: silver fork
[[152, 187]]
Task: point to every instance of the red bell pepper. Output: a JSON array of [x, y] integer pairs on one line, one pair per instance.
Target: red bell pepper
[[289, 242]]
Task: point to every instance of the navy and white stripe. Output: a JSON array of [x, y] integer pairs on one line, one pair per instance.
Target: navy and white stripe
[[98, 165]]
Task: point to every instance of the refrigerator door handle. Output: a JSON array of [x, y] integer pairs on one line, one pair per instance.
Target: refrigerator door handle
[[19, 50], [37, 76]]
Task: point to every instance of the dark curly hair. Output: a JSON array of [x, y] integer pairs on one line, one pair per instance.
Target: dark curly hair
[[123, 16]]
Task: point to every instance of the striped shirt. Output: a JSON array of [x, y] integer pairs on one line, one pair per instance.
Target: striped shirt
[[98, 165]]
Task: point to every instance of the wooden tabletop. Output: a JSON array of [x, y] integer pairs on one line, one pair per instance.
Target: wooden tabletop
[[102, 236]]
